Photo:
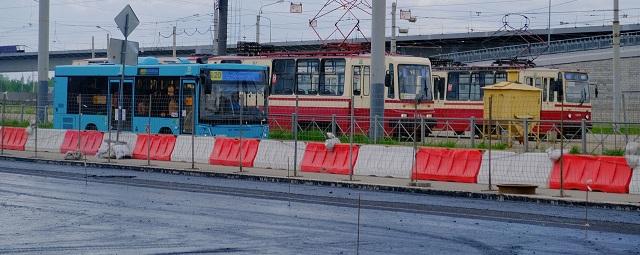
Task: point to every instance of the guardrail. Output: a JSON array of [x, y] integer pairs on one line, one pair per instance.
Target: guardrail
[[534, 49]]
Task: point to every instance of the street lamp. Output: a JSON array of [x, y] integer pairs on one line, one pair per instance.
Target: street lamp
[[269, 27], [258, 19], [108, 32]]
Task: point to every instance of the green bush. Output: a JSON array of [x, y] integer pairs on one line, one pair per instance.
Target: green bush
[[574, 150], [14, 123]]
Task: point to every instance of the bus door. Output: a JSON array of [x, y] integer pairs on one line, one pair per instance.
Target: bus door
[[127, 102], [187, 101], [361, 85]]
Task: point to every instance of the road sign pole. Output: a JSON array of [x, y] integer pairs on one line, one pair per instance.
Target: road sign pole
[[121, 87]]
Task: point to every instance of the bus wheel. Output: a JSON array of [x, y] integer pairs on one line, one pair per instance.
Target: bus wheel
[[166, 130], [91, 126]]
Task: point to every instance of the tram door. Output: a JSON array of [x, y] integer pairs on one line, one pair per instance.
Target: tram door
[[361, 85], [187, 101], [127, 102]]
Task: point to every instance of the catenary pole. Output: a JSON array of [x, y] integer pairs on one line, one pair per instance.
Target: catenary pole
[[377, 66], [43, 60]]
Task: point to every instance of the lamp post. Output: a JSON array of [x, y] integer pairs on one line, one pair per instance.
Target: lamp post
[[258, 18], [108, 34]]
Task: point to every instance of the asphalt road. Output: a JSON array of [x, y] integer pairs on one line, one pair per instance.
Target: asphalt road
[[62, 209]]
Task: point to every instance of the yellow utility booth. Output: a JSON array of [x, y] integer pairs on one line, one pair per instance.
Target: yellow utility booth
[[507, 105]]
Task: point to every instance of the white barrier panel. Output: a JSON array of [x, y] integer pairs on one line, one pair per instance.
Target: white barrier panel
[[125, 137], [634, 186], [203, 146], [516, 168], [275, 154], [378, 160], [49, 140]]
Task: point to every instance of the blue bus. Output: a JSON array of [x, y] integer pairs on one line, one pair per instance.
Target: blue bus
[[222, 99]]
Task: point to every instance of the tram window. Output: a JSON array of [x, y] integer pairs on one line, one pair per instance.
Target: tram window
[[529, 81], [94, 95], [391, 90], [332, 81], [366, 80], [500, 77], [284, 70], [452, 86], [439, 85], [308, 76], [164, 93], [545, 87], [464, 84], [356, 83], [413, 81], [474, 88]]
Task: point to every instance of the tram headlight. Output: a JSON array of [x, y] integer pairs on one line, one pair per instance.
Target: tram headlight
[[587, 116], [429, 115], [569, 115]]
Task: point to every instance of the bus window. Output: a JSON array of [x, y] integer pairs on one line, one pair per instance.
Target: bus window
[[332, 81], [414, 82], [308, 76], [164, 93], [366, 80], [284, 70], [94, 95]]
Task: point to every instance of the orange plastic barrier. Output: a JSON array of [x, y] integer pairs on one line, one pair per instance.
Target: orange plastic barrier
[[89, 142], [160, 147], [607, 173], [14, 138], [318, 159], [441, 164], [226, 152]]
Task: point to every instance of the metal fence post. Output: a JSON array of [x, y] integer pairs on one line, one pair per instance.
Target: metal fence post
[[79, 98], [148, 133], [472, 127], [4, 105], [351, 126], [423, 133], [193, 128], [490, 137], [333, 124], [583, 130], [294, 125], [525, 138], [21, 112], [240, 133], [375, 129]]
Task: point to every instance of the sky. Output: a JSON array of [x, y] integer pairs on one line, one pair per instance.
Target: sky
[[74, 22]]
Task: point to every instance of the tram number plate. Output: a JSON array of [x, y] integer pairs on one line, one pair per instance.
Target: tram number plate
[[215, 75]]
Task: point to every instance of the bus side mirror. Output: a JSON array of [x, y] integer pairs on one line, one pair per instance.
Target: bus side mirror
[[387, 79]]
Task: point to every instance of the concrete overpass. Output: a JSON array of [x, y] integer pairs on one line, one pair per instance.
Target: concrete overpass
[[417, 45]]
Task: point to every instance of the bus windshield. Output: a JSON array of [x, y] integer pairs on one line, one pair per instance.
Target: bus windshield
[[228, 94], [414, 82], [577, 88]]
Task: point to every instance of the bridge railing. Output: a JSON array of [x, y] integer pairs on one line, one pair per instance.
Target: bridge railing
[[534, 49]]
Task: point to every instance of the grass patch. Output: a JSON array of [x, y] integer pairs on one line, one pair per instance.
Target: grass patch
[[14, 123], [607, 129], [445, 144], [494, 146], [312, 135], [613, 152]]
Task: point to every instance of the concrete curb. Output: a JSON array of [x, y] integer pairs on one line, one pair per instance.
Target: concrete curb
[[342, 184]]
